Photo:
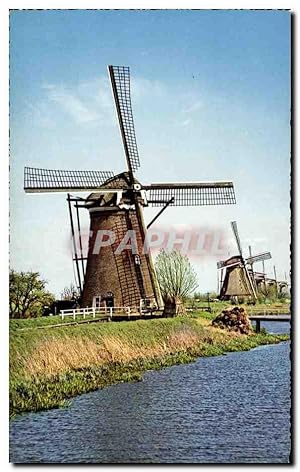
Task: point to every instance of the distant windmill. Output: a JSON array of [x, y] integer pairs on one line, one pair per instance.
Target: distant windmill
[[116, 204], [237, 278]]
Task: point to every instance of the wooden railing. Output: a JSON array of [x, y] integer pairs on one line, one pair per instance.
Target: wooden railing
[[104, 312], [80, 312], [268, 310]]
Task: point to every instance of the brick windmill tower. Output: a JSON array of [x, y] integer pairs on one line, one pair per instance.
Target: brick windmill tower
[[115, 204]]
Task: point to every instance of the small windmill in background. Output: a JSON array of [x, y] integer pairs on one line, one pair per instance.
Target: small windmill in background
[[116, 204], [237, 276]]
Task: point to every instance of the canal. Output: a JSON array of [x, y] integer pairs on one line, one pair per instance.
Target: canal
[[226, 409]]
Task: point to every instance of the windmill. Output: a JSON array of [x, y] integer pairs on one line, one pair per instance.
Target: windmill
[[115, 203], [238, 278]]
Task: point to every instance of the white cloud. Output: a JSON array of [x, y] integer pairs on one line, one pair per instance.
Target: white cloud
[[147, 88], [96, 90], [185, 122], [40, 114], [194, 107], [84, 102], [196, 104], [89, 101], [75, 107]]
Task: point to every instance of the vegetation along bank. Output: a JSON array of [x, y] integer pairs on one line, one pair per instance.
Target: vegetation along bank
[[49, 366]]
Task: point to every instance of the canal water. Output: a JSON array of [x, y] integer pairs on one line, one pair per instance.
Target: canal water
[[226, 409]]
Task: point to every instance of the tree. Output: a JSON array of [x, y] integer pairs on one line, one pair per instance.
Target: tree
[[270, 293], [27, 294], [176, 277], [70, 293]]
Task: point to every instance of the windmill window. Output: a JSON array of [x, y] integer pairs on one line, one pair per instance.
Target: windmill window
[[97, 301], [137, 259]]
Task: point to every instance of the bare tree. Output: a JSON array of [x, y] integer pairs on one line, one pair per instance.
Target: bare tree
[[70, 292], [176, 277]]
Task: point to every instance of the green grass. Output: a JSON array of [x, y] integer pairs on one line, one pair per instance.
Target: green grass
[[44, 321], [50, 366]]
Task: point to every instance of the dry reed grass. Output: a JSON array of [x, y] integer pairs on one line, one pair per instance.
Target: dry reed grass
[[183, 339], [56, 355]]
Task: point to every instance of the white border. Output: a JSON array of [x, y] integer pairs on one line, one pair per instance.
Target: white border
[[5, 5]]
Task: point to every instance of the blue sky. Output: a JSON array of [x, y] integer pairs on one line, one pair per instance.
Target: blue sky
[[211, 101]]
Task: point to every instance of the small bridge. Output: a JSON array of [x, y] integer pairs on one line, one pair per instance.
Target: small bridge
[[259, 317]]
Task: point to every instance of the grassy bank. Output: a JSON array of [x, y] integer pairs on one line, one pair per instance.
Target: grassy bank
[[216, 308], [49, 366]]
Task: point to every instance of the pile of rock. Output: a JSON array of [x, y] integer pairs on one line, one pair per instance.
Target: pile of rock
[[233, 319]]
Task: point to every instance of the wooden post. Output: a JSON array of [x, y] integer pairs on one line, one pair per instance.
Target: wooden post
[[74, 243], [80, 240], [208, 302], [275, 280], [160, 212], [265, 286], [222, 277], [257, 326], [151, 269], [252, 270]]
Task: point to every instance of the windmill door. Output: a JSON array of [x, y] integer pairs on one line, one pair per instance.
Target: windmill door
[[109, 299]]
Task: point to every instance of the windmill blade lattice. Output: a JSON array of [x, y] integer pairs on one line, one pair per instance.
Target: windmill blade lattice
[[45, 180], [237, 237], [191, 194], [259, 257], [120, 82]]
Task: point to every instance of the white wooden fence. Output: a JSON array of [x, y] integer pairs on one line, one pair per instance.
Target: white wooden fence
[[103, 312]]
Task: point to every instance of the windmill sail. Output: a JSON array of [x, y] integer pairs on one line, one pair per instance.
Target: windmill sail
[[120, 82], [191, 194], [259, 257], [46, 180], [237, 237]]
